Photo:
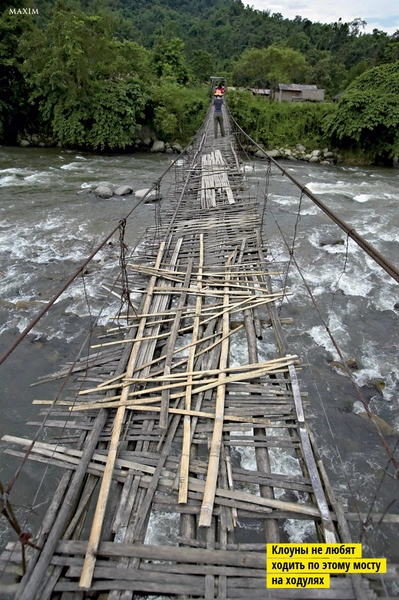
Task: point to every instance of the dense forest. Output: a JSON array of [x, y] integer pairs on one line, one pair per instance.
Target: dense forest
[[89, 73]]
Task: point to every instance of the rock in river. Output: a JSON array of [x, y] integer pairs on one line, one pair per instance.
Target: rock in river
[[103, 191]]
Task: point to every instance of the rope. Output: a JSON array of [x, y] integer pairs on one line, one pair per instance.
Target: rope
[[125, 293]]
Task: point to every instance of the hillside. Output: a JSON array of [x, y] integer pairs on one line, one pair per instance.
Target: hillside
[[216, 33]]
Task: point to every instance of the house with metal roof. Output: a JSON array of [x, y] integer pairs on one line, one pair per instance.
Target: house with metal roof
[[295, 92]]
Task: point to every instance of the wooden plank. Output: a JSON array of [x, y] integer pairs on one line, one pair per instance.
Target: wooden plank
[[256, 560]]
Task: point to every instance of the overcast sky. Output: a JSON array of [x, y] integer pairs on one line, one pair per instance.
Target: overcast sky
[[383, 15]]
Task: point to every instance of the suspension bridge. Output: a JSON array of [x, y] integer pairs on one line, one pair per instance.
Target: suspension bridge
[[155, 417]]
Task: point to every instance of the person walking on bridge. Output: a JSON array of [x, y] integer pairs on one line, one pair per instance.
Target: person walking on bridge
[[217, 103]]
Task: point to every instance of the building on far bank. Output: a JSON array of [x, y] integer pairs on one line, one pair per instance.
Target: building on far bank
[[295, 92]]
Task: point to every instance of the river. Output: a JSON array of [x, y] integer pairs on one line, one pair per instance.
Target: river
[[50, 221]]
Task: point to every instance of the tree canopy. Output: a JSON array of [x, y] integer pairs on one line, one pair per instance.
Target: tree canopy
[[368, 113], [267, 67]]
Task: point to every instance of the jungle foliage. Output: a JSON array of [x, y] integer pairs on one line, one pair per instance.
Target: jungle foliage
[[282, 124], [89, 72], [368, 113]]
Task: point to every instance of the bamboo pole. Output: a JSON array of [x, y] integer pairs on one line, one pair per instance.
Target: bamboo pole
[[214, 454], [185, 457], [163, 417], [94, 539]]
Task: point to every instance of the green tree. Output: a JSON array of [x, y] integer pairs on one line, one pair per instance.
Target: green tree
[[176, 111], [201, 65], [269, 67], [368, 114], [279, 124], [87, 84], [169, 59], [13, 93], [326, 72]]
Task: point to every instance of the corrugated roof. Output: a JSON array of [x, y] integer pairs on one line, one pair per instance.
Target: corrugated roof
[[262, 91], [296, 87]]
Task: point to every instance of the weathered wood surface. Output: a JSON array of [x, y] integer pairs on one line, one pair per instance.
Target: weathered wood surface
[[179, 422]]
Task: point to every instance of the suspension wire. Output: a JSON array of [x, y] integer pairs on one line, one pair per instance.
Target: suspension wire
[[265, 198], [291, 252], [368, 520], [341, 274], [387, 265]]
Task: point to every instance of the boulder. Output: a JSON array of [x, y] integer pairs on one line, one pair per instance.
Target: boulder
[[330, 241], [24, 143], [314, 159], [168, 149], [147, 141], [261, 153], [273, 153], [152, 197], [315, 153], [123, 190], [177, 148], [381, 424], [300, 148], [328, 154], [287, 152], [325, 162], [158, 146], [103, 191], [141, 193]]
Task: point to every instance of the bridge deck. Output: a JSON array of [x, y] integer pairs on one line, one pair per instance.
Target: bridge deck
[[183, 421]]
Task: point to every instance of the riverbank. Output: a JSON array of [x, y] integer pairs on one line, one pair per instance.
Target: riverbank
[[150, 143]]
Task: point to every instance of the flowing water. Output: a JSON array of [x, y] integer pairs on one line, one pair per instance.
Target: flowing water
[[50, 221]]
